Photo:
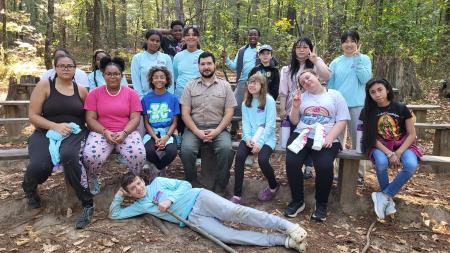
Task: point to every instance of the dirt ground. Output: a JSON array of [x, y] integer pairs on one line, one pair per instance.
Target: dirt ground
[[421, 223]]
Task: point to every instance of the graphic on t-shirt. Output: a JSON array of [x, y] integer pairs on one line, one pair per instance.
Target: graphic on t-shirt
[[159, 112], [316, 114], [388, 127]]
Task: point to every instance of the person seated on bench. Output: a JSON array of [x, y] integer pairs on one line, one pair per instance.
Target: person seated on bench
[[160, 110], [54, 104], [95, 78], [389, 138], [207, 108], [113, 114], [204, 209], [80, 76], [320, 115], [258, 136]]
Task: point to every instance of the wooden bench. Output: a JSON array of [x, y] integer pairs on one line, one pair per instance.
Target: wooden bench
[[15, 112], [420, 111], [347, 175]]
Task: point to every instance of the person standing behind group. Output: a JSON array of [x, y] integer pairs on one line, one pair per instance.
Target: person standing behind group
[[389, 139], [303, 56], [55, 104], [245, 60], [113, 114], [320, 115], [258, 136], [160, 110], [350, 73], [80, 76], [173, 44], [95, 78], [270, 72], [185, 64], [143, 61]]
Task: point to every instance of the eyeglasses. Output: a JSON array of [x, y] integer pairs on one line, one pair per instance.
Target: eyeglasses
[[115, 74], [69, 66]]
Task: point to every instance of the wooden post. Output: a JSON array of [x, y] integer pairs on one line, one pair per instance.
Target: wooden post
[[421, 117], [441, 147], [347, 179]]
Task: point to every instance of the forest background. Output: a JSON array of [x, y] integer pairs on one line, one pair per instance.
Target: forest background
[[407, 40]]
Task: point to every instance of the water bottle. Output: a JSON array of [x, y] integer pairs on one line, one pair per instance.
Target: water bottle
[[359, 139], [285, 132]]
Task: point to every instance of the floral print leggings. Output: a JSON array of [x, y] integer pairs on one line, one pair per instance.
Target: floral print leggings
[[97, 150]]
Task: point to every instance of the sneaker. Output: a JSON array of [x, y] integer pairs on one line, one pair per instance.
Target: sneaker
[[293, 209], [380, 202], [267, 193], [85, 217], [297, 233], [292, 244], [390, 209], [33, 199], [320, 213], [235, 199], [249, 160], [360, 182], [308, 172], [96, 186]]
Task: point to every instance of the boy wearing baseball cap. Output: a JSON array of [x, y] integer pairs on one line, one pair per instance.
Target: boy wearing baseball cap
[[266, 69]]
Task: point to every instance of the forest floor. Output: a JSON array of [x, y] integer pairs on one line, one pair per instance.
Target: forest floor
[[421, 223]]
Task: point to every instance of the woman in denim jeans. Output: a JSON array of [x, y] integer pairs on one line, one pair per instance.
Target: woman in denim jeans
[[389, 139]]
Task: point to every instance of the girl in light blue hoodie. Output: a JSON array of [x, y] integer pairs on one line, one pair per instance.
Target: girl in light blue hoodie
[[258, 136]]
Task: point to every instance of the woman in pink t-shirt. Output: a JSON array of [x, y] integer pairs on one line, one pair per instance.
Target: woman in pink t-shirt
[[112, 114]]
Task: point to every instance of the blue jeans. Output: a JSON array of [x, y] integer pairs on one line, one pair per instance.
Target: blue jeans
[[409, 162]]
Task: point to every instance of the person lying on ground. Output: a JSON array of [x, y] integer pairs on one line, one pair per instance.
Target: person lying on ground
[[204, 209]]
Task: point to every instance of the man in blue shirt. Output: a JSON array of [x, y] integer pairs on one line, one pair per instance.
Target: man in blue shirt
[[244, 61], [204, 209]]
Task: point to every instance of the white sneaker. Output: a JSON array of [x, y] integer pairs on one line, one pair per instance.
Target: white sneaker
[[297, 233], [292, 244], [380, 202], [390, 209]]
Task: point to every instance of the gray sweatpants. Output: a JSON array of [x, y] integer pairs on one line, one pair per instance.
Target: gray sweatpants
[[352, 124], [239, 93], [210, 210]]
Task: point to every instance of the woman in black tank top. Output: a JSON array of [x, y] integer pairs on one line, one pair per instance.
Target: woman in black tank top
[[53, 105]]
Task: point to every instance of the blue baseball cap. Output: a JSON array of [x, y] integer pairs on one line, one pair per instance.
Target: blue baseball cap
[[265, 47]]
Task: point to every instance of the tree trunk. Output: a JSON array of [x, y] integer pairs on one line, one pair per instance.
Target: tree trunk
[[291, 14], [4, 33], [236, 20], [336, 21], [63, 34], [49, 34], [401, 74], [113, 23], [158, 17], [178, 7], [358, 8], [199, 13], [123, 23], [96, 25]]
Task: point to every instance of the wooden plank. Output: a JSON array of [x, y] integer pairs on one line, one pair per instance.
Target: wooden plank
[[423, 107], [14, 154], [347, 179], [15, 102], [14, 120], [432, 126]]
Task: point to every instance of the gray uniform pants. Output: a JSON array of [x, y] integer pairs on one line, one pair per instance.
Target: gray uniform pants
[[210, 210], [222, 149], [239, 93]]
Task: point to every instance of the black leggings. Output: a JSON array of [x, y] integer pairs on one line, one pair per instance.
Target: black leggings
[[263, 161], [170, 153], [40, 167], [323, 164]]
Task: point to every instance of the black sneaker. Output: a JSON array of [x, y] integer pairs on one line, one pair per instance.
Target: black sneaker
[[320, 214], [33, 199], [85, 217], [293, 209]]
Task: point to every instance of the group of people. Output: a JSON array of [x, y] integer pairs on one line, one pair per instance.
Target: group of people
[[82, 119]]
